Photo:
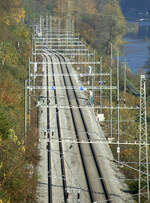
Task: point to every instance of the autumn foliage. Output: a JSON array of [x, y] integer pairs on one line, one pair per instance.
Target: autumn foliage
[[17, 174]]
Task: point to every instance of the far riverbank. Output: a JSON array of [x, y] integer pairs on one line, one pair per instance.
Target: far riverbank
[[136, 50]]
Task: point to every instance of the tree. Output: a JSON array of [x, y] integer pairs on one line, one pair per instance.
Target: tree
[[111, 26], [11, 11], [60, 8]]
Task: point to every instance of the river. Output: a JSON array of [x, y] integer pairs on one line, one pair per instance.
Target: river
[[136, 50]]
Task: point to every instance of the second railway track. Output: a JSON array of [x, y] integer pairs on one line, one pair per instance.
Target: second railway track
[[94, 179]]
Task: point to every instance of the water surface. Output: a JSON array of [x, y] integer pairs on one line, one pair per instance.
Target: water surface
[[136, 50]]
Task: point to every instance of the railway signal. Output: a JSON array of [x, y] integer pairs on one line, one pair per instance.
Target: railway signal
[[91, 98], [53, 88], [90, 69], [100, 82], [18, 44], [81, 88]]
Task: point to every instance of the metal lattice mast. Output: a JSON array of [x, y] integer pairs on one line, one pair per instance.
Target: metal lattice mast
[[101, 91], [40, 24], [73, 30], [111, 130], [143, 147], [125, 76], [94, 57], [50, 23], [118, 110], [59, 27], [68, 21], [111, 51], [29, 111], [25, 110], [47, 26]]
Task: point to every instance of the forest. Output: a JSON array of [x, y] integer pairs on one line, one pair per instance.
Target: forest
[[17, 179], [99, 22]]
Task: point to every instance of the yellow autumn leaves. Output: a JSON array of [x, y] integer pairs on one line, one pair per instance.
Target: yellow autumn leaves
[[11, 12], [12, 135], [14, 138], [16, 14]]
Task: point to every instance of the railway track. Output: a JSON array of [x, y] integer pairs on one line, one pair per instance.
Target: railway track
[[49, 164], [94, 179], [48, 144], [60, 140]]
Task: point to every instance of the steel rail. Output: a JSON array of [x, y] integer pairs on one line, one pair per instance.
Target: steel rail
[[88, 137], [48, 144], [62, 162]]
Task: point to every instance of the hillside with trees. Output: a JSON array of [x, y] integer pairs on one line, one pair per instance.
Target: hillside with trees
[[17, 183], [99, 22]]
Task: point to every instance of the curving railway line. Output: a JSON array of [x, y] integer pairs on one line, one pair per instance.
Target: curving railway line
[[96, 186], [59, 139], [48, 144], [49, 151]]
